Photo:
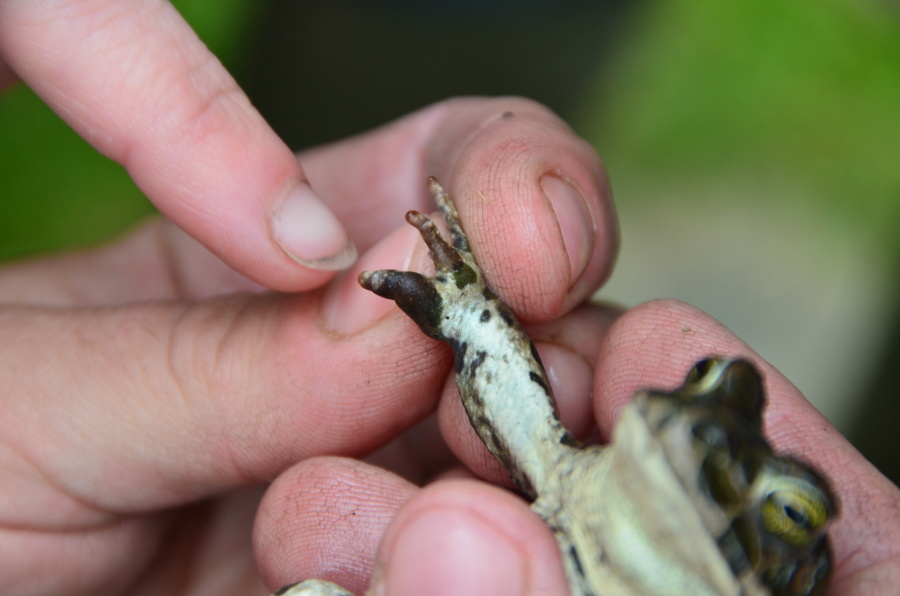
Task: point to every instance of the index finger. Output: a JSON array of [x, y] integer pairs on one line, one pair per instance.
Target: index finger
[[135, 81]]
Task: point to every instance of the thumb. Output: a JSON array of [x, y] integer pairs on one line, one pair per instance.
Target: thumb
[[467, 537]]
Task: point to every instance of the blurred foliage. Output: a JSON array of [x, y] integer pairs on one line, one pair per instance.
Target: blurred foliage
[[225, 26], [795, 99], [57, 191], [784, 98]]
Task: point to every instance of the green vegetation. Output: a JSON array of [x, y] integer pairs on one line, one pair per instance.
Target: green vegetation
[[785, 99]]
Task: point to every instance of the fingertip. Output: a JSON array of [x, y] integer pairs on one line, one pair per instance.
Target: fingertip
[[145, 91], [572, 379], [569, 347], [653, 346], [546, 227], [347, 306], [448, 551], [309, 233], [324, 518], [466, 537], [574, 219]]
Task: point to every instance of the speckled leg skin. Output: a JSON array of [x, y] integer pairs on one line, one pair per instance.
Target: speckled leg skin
[[687, 499], [501, 380], [500, 377]]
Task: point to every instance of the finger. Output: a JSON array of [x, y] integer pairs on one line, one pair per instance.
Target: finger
[[247, 385], [568, 348], [324, 518], [533, 197], [136, 82], [155, 261], [655, 344], [466, 537], [50, 563], [239, 388]]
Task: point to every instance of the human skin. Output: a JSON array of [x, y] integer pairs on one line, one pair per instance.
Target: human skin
[[153, 389]]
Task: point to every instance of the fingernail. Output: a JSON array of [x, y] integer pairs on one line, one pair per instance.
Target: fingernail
[[453, 553], [574, 220], [348, 308], [309, 232], [572, 381]]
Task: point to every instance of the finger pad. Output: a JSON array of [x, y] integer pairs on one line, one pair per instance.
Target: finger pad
[[324, 518]]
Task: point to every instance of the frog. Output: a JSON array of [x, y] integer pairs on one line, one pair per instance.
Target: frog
[[688, 497]]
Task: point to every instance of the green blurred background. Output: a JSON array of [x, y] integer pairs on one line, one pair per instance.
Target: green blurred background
[[754, 148]]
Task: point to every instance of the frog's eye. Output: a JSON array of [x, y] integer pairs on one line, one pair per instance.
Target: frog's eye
[[794, 511]]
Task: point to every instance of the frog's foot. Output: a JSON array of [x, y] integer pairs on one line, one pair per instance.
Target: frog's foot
[[418, 296]]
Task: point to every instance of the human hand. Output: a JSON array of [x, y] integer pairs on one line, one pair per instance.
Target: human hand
[[465, 537], [142, 397], [114, 472]]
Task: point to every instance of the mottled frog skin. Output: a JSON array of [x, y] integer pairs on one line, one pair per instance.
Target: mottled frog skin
[[688, 498]]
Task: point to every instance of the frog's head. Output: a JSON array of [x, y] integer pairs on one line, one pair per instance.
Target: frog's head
[[768, 513]]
